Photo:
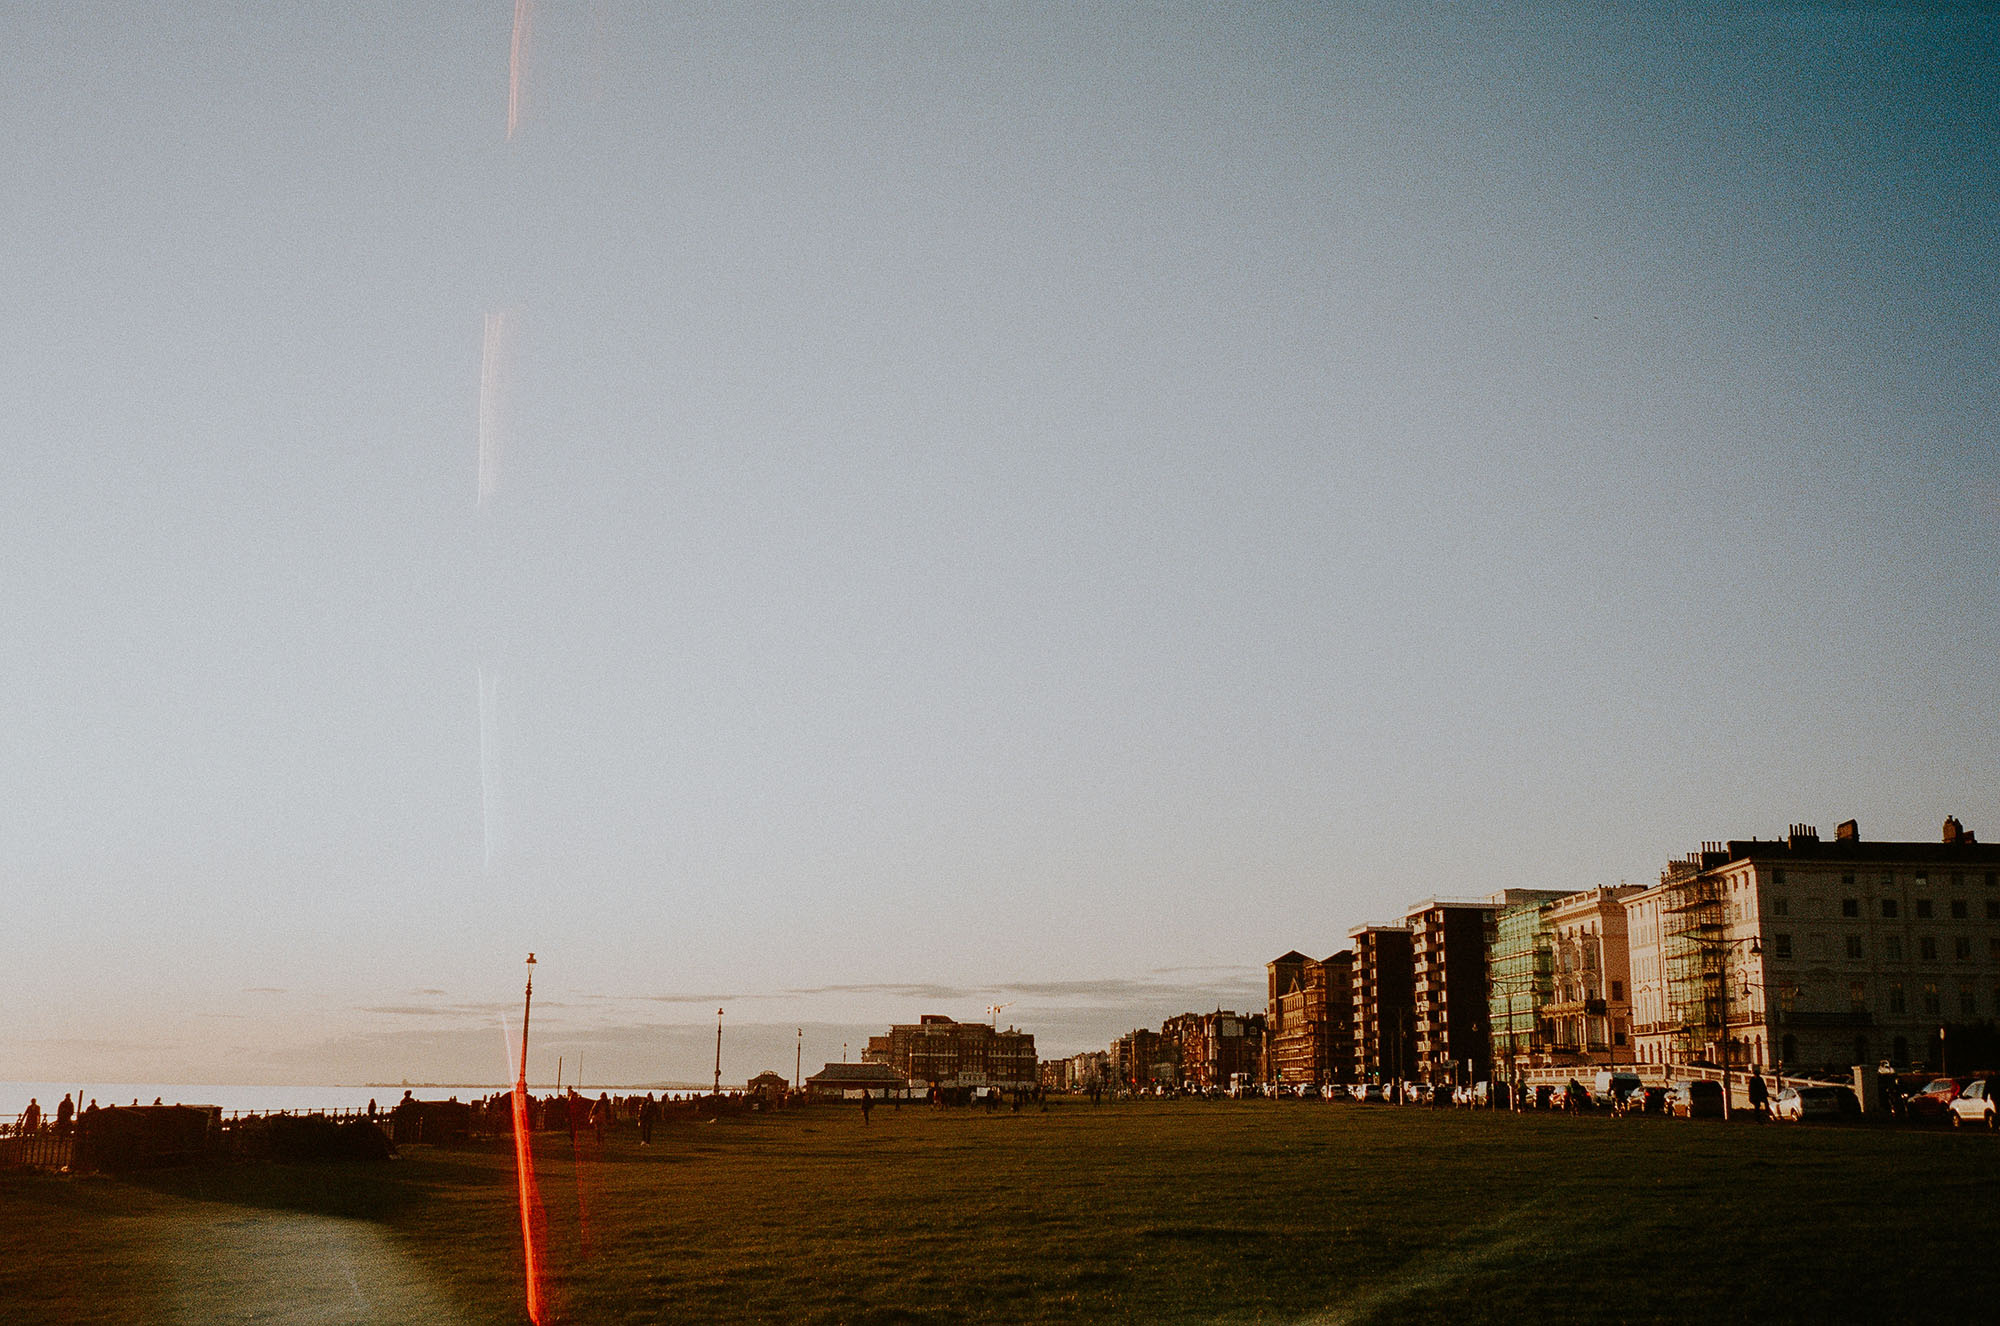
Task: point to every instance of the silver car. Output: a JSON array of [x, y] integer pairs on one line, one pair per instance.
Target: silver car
[[1797, 1104]]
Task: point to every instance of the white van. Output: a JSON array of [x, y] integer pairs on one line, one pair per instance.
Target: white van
[[1612, 1085]]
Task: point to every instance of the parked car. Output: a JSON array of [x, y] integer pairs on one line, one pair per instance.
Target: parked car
[[1699, 1099], [1644, 1100], [1934, 1101], [1797, 1104], [1369, 1093], [1975, 1106]]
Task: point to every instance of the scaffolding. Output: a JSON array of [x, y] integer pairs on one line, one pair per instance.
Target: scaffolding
[[1520, 976], [1692, 945]]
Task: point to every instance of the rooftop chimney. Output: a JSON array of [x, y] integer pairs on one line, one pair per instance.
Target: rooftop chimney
[[1803, 833], [1953, 830], [1847, 832]]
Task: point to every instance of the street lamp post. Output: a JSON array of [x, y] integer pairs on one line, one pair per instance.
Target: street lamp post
[[799, 1059], [718, 1052], [527, 1007], [1725, 1029], [1756, 949]]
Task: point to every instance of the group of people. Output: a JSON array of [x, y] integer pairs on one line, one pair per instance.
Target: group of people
[[67, 1122], [32, 1122]]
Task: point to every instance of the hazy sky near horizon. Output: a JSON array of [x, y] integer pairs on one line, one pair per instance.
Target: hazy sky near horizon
[[1044, 504]]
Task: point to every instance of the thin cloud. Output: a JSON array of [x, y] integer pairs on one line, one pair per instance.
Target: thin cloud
[[1133, 988], [917, 991], [479, 1009], [689, 998]]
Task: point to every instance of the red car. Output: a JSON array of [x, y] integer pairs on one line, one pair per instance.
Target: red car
[[1935, 1100]]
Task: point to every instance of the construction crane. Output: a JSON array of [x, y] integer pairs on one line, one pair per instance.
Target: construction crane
[[993, 1011]]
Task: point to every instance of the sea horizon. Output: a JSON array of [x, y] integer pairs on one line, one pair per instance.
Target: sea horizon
[[271, 1097]]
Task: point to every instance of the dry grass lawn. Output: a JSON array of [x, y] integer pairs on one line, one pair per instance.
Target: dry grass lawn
[[1179, 1211]]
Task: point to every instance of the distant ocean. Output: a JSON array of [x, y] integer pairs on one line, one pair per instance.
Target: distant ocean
[[14, 1096]]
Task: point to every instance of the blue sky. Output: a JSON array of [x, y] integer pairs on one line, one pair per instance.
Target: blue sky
[[1048, 505]]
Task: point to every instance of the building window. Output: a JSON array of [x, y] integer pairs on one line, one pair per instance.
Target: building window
[[1892, 947], [1788, 997], [1958, 912], [1854, 947], [1966, 1003], [1850, 906], [1923, 910], [1961, 949], [1923, 878], [1932, 1004], [1993, 909], [1889, 908], [1781, 945], [1927, 949], [1781, 906], [1993, 948], [1992, 878], [1896, 997], [1857, 997], [1847, 878], [1618, 989]]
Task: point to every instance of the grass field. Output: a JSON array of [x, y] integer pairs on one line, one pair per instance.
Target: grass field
[[1180, 1211]]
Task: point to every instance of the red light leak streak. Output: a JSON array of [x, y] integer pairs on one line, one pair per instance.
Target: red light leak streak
[[531, 1200], [514, 61]]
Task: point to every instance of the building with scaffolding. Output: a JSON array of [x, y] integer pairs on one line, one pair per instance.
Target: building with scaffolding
[[1809, 955], [1520, 969]]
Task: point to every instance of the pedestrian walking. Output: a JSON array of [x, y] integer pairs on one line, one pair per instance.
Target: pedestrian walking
[[1760, 1097]]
